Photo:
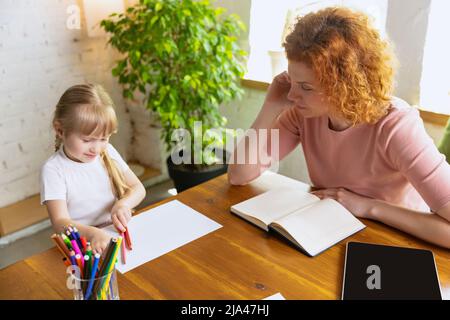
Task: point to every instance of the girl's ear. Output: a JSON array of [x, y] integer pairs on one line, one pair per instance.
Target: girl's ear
[[58, 128]]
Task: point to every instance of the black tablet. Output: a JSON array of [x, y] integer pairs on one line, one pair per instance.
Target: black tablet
[[380, 272]]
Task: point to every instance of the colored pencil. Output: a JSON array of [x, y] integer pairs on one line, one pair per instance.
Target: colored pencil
[[75, 247], [128, 239], [72, 233], [86, 272], [95, 271], [79, 264], [73, 261], [91, 280], [60, 245], [66, 262], [66, 241], [104, 265], [110, 267], [89, 253], [77, 237], [83, 243], [123, 252], [107, 256]]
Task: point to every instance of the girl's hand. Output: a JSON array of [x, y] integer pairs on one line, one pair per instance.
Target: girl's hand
[[358, 205], [99, 240], [120, 215], [278, 90]]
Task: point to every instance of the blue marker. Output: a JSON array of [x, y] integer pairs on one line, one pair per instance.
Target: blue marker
[[91, 280], [77, 237], [72, 259]]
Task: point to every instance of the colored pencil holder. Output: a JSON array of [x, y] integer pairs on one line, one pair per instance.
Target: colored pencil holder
[[96, 288]]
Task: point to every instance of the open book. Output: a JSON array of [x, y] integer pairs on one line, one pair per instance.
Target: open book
[[313, 225]]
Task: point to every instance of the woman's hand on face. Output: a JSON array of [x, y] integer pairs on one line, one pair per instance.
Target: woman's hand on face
[[278, 91], [120, 216], [99, 241], [358, 205]]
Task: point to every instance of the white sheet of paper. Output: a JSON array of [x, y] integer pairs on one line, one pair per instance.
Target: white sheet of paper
[[276, 296], [160, 230]]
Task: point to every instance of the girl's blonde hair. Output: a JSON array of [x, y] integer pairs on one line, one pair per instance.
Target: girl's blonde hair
[[355, 66], [87, 109]]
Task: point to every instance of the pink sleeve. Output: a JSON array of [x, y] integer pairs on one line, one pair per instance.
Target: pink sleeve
[[410, 149], [289, 124]]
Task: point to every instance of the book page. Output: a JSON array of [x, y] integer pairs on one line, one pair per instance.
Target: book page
[[269, 180], [273, 205], [320, 225]]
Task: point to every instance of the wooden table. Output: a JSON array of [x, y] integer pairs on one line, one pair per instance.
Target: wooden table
[[237, 261]]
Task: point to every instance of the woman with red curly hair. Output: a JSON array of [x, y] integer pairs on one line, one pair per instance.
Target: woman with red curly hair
[[363, 147]]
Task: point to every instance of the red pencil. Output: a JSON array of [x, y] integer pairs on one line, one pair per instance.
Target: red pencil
[[123, 249], [128, 239], [84, 244]]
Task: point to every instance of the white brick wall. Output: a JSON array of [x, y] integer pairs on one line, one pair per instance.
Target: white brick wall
[[39, 59]]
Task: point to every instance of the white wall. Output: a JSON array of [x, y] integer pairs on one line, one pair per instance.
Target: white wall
[[39, 59], [406, 26]]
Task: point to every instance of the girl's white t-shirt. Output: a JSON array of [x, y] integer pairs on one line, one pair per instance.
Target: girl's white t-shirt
[[85, 187]]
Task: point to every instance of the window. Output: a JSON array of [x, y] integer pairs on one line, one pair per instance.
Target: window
[[435, 80], [269, 23]]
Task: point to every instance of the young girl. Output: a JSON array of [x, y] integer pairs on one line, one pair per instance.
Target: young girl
[[86, 182], [363, 147]]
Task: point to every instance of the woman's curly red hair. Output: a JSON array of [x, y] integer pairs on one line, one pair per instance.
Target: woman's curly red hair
[[355, 67]]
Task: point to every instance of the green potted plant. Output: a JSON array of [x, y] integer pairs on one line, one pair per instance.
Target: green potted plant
[[183, 56]]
